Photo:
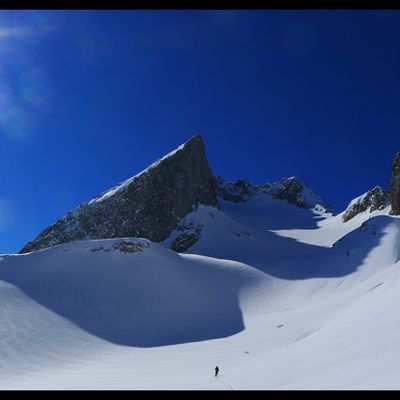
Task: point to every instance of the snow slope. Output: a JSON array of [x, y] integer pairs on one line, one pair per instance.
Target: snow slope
[[275, 295], [115, 292], [330, 229]]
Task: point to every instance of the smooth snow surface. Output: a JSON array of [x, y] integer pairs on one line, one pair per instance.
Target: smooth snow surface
[[277, 296]]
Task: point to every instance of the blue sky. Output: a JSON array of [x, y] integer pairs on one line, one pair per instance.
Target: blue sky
[[89, 98]]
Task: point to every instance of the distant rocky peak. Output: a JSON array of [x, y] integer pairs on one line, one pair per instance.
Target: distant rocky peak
[[291, 189], [294, 191], [237, 191], [373, 200]]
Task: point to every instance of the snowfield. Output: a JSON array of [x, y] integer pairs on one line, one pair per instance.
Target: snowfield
[[277, 296]]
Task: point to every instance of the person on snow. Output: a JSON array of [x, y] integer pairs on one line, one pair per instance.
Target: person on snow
[[216, 371]]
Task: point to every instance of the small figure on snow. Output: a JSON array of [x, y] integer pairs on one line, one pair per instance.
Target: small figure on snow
[[216, 371]]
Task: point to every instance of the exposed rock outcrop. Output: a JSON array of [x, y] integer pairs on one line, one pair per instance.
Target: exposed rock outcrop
[[395, 186], [375, 199], [298, 193], [148, 205], [290, 189], [238, 191], [188, 237]]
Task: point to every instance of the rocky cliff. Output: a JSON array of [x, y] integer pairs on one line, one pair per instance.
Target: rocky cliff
[[148, 205], [395, 186]]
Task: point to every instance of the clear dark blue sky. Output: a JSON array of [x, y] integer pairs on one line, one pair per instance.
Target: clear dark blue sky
[[89, 98]]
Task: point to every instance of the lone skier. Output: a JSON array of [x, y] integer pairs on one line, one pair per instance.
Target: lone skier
[[216, 371]]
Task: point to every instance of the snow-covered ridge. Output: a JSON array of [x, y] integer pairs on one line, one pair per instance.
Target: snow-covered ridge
[[133, 292], [291, 189]]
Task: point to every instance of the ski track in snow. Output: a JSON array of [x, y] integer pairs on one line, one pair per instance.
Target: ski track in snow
[[230, 386]]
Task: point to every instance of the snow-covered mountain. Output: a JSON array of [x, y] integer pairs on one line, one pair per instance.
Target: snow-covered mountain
[[290, 189], [153, 203], [265, 281]]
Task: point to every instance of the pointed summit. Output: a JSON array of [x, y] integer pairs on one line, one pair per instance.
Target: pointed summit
[[195, 138], [148, 205]]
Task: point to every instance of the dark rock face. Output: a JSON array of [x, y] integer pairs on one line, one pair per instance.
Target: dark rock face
[[185, 241], [149, 205], [395, 186], [374, 199], [238, 191], [292, 190]]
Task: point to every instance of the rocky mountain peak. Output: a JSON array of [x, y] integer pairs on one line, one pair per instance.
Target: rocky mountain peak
[[148, 205], [375, 199], [291, 189]]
